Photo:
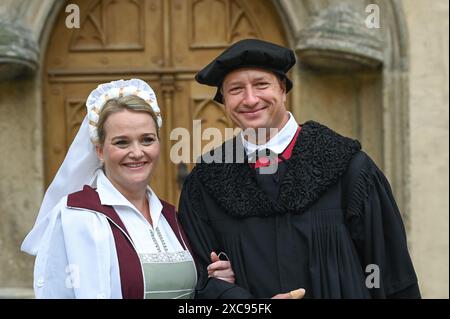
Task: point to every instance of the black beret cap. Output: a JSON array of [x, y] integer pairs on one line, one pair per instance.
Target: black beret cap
[[247, 53]]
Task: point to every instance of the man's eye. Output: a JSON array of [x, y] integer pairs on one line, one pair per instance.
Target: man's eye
[[262, 85], [235, 90]]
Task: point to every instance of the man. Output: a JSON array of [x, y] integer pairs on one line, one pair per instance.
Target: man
[[324, 220]]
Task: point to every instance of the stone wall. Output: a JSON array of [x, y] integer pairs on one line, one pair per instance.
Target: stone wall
[[429, 166], [21, 140], [21, 182]]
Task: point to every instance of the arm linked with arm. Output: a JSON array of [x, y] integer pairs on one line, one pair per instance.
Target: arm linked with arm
[[203, 242]]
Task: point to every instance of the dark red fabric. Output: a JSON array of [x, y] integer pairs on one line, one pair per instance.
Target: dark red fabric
[[285, 155], [131, 278]]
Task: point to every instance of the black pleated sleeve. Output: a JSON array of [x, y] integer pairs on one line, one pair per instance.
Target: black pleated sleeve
[[377, 230], [203, 242]]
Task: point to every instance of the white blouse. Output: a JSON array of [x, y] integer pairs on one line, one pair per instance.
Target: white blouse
[[77, 257]]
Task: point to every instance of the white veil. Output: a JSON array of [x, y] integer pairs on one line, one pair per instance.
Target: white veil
[[78, 169], [81, 163]]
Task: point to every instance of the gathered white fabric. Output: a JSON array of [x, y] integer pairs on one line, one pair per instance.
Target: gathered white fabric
[[115, 89], [81, 164], [78, 169], [67, 267]]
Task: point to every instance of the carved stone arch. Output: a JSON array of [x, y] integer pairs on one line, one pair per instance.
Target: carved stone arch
[[179, 40], [396, 105], [296, 15]]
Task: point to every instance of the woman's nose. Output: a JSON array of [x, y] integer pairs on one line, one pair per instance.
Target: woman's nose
[[136, 150]]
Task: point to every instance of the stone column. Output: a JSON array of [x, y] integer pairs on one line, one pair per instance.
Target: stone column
[[21, 185], [19, 52]]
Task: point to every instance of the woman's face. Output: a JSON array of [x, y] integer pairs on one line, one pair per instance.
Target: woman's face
[[130, 151]]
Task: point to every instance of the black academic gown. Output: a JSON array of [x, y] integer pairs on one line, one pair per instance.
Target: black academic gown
[[325, 219]]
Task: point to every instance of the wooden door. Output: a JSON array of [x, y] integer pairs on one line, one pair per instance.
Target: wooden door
[[164, 42]]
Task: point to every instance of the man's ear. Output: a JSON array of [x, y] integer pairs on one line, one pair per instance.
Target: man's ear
[[283, 88], [223, 99], [283, 85]]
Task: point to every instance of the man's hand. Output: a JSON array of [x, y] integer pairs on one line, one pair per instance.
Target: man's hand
[[220, 269], [294, 294]]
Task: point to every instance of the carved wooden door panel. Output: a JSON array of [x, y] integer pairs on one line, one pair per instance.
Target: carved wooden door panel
[[164, 42]]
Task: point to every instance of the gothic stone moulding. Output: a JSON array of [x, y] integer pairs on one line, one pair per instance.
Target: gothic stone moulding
[[338, 39], [19, 53]]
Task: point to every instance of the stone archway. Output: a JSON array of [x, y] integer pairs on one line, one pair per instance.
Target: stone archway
[[39, 19], [295, 16], [167, 43]]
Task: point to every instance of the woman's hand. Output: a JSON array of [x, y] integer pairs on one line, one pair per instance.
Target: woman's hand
[[220, 269]]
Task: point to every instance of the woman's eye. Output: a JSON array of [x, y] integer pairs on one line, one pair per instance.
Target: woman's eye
[[148, 140], [121, 143]]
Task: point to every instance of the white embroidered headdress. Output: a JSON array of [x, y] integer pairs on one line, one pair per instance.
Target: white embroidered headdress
[[81, 163], [116, 89]]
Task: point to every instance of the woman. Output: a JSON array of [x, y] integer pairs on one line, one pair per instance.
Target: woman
[[114, 238]]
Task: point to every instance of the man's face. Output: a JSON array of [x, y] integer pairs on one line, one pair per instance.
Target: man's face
[[255, 98]]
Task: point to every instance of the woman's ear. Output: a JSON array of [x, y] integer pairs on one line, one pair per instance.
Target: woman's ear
[[99, 151]]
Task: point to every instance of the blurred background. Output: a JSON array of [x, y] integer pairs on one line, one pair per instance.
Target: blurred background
[[373, 70]]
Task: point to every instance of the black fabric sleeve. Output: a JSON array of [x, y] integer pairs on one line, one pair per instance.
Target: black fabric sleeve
[[377, 229], [203, 242]]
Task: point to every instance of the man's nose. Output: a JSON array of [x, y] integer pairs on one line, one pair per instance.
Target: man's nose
[[250, 98]]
